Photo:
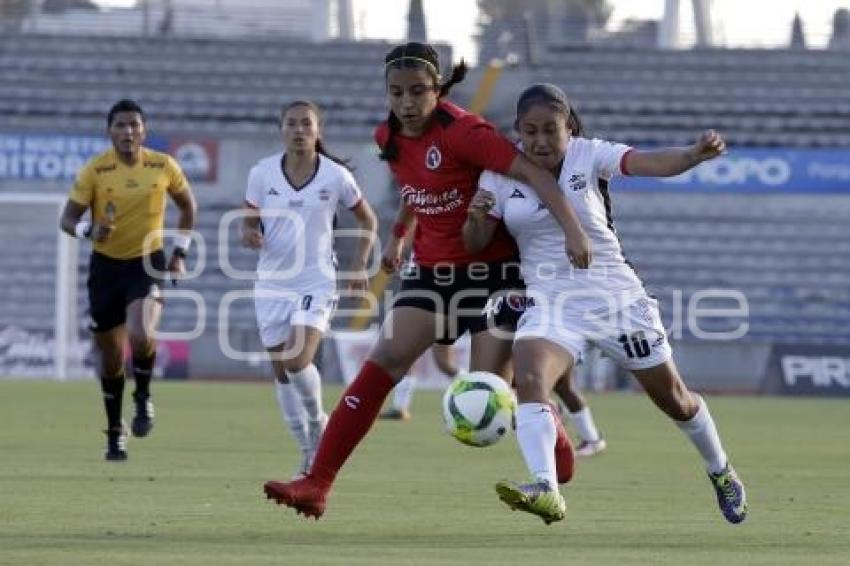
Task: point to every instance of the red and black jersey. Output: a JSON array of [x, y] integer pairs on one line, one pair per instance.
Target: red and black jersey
[[437, 175]]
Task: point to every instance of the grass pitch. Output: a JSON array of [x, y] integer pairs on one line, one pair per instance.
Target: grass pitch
[[191, 493]]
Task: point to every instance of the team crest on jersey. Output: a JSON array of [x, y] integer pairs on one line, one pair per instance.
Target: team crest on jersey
[[296, 203], [433, 158], [273, 192], [577, 181], [324, 194], [516, 302]]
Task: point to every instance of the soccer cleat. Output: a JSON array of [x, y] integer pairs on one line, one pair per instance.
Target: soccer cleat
[[116, 444], [731, 496], [564, 455], [590, 448], [306, 495], [396, 415], [537, 497], [143, 421]]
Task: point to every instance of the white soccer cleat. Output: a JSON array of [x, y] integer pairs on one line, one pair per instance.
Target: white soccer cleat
[[590, 448]]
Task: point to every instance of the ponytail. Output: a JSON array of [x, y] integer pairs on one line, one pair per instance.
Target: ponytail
[[574, 123], [458, 74], [390, 150], [320, 148]]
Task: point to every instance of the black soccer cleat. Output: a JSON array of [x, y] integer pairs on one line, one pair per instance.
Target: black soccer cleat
[[116, 444], [143, 421]]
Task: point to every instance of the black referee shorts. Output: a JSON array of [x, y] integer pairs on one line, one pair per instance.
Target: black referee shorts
[[467, 295], [115, 283]]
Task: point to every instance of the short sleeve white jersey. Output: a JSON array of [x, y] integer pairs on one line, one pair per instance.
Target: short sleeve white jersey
[[297, 222], [541, 240]]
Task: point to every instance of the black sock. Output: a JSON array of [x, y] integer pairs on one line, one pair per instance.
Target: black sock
[[113, 394], [142, 373]]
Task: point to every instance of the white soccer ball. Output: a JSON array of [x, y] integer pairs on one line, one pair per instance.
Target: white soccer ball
[[479, 408]]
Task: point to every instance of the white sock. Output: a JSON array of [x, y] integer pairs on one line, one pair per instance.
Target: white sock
[[403, 393], [292, 411], [703, 435], [309, 386], [536, 434], [583, 421]]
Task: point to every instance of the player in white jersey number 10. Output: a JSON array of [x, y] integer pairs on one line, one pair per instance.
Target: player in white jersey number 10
[[604, 305]]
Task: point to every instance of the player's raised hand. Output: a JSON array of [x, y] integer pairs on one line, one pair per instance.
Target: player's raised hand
[[482, 203], [252, 238], [709, 145]]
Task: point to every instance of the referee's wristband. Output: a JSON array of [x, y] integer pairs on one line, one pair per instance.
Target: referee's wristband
[[83, 230], [182, 243]]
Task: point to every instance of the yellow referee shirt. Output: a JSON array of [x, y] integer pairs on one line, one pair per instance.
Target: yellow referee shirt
[[131, 198]]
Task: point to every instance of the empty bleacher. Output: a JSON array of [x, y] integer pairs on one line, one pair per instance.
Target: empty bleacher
[[189, 84], [757, 97]]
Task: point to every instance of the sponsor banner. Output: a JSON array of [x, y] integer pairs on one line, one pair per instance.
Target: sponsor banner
[[752, 170], [808, 370], [198, 157], [353, 347], [58, 157], [28, 353]]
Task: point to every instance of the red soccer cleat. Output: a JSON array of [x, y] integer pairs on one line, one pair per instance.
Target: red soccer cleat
[[306, 495], [564, 454]]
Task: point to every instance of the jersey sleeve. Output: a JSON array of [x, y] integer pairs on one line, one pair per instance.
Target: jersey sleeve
[[254, 192], [494, 183], [349, 191], [477, 143], [177, 182], [608, 158], [83, 190]]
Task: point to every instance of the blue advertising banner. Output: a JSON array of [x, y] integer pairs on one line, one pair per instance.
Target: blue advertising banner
[[808, 370], [59, 157], [751, 170]]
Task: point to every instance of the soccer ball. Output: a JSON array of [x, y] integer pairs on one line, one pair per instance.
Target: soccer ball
[[479, 408]]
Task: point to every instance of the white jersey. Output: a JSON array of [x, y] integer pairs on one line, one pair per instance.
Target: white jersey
[[297, 222], [541, 240]]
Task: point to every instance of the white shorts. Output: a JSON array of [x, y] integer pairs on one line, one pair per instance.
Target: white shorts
[[634, 337], [279, 310]]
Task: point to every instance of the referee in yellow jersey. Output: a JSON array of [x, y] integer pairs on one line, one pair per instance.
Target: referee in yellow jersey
[[125, 188]]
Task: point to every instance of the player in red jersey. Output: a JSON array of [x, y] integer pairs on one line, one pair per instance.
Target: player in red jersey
[[436, 151]]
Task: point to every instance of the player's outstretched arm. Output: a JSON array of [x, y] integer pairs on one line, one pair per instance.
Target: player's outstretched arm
[[674, 160]]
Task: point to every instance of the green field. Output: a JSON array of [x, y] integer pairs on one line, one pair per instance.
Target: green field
[[191, 493]]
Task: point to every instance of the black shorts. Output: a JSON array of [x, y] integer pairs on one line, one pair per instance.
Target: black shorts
[[115, 283], [467, 295]]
